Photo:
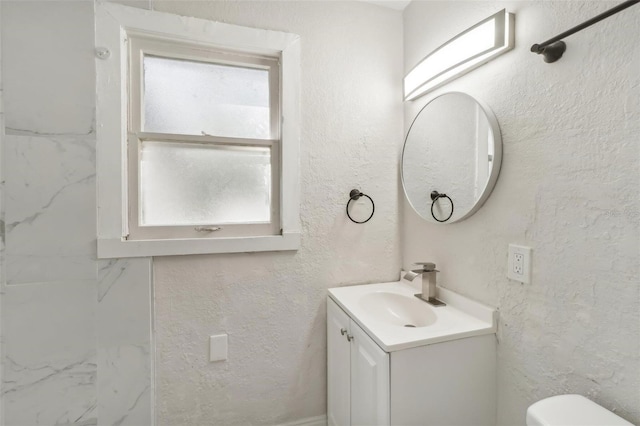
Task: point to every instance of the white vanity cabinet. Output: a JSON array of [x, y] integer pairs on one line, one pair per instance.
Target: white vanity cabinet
[[358, 374], [381, 372]]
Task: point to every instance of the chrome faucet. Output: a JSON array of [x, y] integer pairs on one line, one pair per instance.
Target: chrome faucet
[[428, 273]]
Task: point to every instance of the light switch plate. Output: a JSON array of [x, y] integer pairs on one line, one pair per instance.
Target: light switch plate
[[218, 348], [519, 264]]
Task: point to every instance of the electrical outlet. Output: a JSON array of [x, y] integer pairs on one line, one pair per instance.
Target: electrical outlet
[[519, 264]]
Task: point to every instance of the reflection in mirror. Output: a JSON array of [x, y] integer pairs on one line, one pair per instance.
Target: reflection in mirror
[[453, 147]]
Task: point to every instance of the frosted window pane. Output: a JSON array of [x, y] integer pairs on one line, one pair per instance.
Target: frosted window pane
[[195, 98], [195, 184]]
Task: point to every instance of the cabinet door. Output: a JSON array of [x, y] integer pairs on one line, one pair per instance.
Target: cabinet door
[[369, 381], [338, 366]]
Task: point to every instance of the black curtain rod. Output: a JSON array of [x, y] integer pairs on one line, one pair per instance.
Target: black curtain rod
[[553, 48]]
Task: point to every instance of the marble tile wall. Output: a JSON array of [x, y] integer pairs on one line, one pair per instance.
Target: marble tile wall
[[50, 209], [77, 331], [125, 368], [49, 80], [50, 300], [76, 338], [50, 360]]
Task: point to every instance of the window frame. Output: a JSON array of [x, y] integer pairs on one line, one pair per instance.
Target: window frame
[[125, 31], [141, 45]]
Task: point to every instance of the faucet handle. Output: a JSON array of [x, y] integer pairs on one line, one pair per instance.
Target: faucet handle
[[427, 266]]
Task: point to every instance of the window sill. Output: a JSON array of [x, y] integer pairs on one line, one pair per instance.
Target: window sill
[[118, 248]]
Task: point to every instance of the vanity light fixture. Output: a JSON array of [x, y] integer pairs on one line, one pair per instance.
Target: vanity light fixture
[[477, 45]]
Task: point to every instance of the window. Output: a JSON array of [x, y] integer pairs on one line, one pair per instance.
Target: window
[[204, 133], [198, 146]]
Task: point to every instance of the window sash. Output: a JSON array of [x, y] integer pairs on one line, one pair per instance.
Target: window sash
[[137, 232], [141, 46]]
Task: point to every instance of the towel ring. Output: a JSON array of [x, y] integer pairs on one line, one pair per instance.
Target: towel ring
[[355, 195], [435, 196]]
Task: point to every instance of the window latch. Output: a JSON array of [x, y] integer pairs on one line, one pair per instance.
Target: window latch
[[207, 228]]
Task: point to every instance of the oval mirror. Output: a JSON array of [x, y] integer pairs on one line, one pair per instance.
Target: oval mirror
[[451, 158]]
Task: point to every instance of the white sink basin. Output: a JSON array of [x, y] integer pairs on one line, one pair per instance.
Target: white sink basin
[[396, 319], [398, 309]]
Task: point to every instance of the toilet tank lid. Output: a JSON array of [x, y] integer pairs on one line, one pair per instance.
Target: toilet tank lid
[[571, 410]]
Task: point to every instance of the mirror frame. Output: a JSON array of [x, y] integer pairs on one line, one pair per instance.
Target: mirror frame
[[495, 170]]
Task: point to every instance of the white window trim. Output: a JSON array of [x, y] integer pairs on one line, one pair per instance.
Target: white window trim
[[112, 23]]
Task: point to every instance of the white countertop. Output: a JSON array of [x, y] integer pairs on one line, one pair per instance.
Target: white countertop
[[460, 318]]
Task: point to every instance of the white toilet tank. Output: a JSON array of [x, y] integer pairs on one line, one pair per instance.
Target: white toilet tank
[[571, 410]]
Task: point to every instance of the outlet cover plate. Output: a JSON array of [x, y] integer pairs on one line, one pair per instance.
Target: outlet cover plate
[[519, 264], [218, 348]]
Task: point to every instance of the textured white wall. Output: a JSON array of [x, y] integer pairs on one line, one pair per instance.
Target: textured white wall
[[568, 188], [272, 305]]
